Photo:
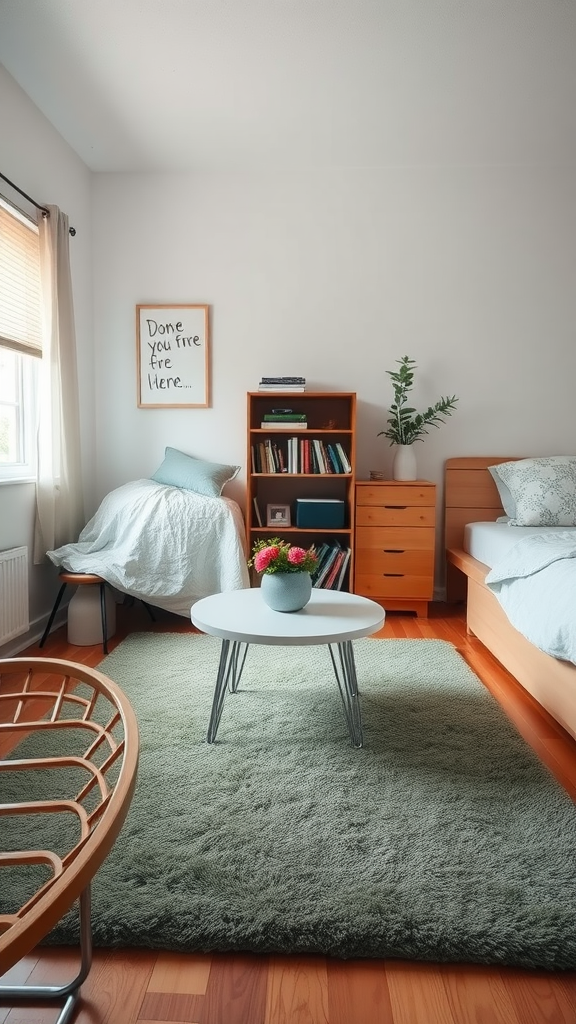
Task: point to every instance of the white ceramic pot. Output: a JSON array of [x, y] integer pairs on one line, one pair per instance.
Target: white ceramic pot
[[404, 466], [286, 591]]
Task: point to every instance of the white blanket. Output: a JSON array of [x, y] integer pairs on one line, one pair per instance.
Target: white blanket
[[535, 582], [165, 545]]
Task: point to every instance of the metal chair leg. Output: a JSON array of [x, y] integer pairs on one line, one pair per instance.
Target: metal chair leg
[[52, 614], [19, 995]]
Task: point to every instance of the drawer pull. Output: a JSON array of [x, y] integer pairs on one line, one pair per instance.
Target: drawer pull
[[395, 506], [393, 574], [393, 551]]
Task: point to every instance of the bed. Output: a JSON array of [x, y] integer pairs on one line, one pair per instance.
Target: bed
[[471, 497], [166, 545]]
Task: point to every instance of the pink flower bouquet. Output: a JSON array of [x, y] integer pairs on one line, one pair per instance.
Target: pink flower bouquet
[[275, 555]]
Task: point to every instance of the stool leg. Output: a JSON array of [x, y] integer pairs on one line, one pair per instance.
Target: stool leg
[[104, 622], [149, 610], [52, 615]]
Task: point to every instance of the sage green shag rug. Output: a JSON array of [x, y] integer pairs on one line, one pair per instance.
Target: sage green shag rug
[[441, 839]]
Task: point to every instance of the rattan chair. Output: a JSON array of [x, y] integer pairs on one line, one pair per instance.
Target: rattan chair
[[40, 696]]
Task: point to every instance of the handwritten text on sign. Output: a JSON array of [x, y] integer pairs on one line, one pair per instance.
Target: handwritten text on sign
[[173, 355]]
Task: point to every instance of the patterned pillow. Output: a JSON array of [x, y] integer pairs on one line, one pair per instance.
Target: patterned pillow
[[544, 490]]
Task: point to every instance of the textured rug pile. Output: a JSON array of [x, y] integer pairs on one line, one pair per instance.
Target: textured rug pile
[[443, 838]]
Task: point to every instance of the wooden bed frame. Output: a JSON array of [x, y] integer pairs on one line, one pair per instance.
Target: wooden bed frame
[[470, 495]]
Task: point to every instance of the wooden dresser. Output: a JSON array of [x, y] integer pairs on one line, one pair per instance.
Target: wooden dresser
[[395, 542]]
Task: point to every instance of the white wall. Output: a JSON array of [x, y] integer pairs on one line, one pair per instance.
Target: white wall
[[36, 158], [334, 275]]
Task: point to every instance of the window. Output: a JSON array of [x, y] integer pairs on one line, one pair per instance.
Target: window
[[20, 342], [17, 415]]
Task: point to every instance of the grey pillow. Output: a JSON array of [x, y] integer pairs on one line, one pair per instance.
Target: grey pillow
[[181, 470], [508, 503], [542, 489]]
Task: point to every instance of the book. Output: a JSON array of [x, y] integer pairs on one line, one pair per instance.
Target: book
[[329, 582], [320, 582], [283, 380], [341, 574], [257, 511], [343, 458], [282, 387], [281, 425], [283, 417]]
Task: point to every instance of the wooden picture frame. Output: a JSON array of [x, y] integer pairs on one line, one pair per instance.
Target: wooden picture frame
[[172, 348], [278, 515]]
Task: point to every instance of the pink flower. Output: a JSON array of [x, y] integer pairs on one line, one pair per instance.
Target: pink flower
[[296, 555], [263, 558]]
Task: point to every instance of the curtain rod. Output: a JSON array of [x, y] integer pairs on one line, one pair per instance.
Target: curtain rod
[[30, 200]]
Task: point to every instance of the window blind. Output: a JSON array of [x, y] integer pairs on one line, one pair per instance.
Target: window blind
[[20, 303]]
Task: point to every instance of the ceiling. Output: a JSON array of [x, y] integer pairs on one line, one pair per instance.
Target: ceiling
[[176, 85]]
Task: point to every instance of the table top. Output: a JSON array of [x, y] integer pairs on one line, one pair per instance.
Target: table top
[[331, 616]]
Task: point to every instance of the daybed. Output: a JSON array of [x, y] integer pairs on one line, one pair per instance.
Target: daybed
[[471, 496], [169, 540]]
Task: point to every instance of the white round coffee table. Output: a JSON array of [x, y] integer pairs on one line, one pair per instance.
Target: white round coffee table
[[332, 617]]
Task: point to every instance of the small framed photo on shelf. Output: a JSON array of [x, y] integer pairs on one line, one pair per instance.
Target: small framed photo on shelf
[[278, 515]]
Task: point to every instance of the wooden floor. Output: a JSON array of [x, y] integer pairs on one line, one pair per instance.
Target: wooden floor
[[140, 986]]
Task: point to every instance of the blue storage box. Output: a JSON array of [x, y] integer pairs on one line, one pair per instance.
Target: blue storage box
[[319, 513]]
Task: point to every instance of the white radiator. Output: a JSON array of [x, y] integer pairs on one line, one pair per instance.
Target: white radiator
[[14, 608]]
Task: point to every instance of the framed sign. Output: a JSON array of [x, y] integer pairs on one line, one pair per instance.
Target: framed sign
[[172, 348]]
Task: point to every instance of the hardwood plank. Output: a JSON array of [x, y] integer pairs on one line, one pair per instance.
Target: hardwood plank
[[185, 974], [477, 992], [236, 992], [418, 994], [537, 997], [176, 1006], [297, 991], [358, 993]]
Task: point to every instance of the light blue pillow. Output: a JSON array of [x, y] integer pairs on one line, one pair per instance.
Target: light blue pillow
[[181, 470]]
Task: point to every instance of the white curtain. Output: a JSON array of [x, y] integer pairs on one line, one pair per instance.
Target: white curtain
[[59, 502]]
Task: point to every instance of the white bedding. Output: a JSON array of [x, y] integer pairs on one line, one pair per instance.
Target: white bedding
[[489, 542], [165, 545], [535, 582]]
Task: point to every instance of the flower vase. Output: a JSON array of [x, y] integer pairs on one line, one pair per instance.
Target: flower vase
[[404, 465], [286, 591]]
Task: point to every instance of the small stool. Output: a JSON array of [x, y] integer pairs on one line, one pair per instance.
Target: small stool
[[88, 579]]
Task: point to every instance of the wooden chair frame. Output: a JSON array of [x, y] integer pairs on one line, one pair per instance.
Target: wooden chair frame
[[36, 695]]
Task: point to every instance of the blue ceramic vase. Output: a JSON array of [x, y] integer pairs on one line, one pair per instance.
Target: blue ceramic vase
[[286, 591]]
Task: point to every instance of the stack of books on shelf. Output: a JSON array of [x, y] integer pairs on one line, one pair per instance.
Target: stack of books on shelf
[[284, 419], [333, 562], [299, 455], [282, 384]]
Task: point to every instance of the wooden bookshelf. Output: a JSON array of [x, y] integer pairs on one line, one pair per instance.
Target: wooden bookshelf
[[330, 420]]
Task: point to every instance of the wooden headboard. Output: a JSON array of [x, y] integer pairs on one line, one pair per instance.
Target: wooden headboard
[[470, 496]]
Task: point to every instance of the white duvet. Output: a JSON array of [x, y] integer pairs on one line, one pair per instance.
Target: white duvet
[[535, 582], [164, 545]]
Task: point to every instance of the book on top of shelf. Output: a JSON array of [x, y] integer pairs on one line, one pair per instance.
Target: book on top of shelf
[[286, 388], [281, 425], [282, 380], [283, 417]]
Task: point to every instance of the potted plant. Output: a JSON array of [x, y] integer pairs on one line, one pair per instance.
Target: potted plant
[[405, 425], [285, 569]]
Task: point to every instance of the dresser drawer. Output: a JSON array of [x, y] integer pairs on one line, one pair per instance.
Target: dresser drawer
[[419, 588], [376, 560], [386, 515], [399, 538], [395, 494]]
